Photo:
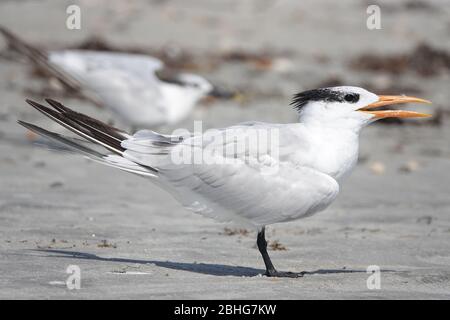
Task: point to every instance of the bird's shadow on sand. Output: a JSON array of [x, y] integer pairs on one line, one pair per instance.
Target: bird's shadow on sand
[[203, 268]]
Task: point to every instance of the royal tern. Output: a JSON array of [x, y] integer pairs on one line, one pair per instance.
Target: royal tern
[[135, 87], [293, 178]]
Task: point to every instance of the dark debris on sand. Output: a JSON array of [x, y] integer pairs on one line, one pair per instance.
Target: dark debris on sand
[[423, 59], [106, 244], [177, 58], [275, 245], [232, 232]]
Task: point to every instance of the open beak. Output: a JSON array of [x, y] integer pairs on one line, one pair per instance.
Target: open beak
[[388, 100]]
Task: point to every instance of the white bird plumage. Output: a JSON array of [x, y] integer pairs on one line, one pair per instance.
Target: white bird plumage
[[232, 188], [312, 157]]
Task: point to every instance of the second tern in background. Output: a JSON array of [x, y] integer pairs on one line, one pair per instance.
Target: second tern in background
[[310, 159], [133, 86]]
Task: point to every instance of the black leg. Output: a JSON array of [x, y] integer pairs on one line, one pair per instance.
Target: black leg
[[262, 246], [270, 269]]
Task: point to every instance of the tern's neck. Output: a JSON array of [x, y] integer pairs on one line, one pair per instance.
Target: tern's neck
[[333, 146], [351, 124]]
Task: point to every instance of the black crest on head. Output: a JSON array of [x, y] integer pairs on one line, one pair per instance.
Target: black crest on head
[[324, 94]]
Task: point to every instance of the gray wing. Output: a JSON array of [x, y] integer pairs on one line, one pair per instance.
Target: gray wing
[[250, 187]]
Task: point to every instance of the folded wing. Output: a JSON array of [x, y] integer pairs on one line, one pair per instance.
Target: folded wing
[[248, 185], [217, 174]]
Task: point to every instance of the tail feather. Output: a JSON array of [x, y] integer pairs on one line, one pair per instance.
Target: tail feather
[[89, 132], [95, 124], [40, 59], [65, 141], [92, 130], [109, 160]]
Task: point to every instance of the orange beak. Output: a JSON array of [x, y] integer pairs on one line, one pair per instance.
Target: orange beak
[[388, 100]]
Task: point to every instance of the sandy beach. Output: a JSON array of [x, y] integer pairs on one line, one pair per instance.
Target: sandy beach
[[131, 240]]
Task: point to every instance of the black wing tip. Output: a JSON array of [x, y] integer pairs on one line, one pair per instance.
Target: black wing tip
[[57, 105], [44, 109], [89, 128], [34, 104], [31, 102], [27, 125], [23, 123], [52, 101]]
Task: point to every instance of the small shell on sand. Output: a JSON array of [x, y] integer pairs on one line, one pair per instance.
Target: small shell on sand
[[410, 166], [377, 167]]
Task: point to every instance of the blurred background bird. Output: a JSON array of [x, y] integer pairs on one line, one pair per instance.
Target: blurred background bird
[[135, 87]]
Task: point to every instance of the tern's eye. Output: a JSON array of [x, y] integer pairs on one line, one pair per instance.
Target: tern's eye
[[351, 97]]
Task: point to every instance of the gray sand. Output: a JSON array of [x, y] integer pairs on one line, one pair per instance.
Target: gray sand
[[132, 240]]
